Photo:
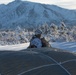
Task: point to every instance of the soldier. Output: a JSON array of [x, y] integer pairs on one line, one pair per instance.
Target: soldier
[[37, 41]]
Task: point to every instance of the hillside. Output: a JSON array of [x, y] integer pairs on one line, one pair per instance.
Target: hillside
[[30, 14]]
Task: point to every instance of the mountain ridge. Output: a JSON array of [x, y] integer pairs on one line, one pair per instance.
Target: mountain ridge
[[29, 14]]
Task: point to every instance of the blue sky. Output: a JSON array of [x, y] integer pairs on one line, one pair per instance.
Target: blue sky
[[69, 4]]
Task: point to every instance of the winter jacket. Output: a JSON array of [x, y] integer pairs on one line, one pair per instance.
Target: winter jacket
[[38, 43]]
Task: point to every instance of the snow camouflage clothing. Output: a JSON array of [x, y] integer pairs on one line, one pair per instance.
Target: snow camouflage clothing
[[38, 43]]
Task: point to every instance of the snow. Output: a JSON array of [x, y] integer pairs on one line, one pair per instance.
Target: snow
[[20, 13], [16, 47], [67, 46]]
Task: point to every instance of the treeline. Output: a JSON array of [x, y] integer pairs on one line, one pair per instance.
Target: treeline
[[52, 33]]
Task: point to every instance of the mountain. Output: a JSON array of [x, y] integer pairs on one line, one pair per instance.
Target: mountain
[[30, 14]]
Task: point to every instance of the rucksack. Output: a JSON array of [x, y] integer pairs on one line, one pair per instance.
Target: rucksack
[[44, 43]]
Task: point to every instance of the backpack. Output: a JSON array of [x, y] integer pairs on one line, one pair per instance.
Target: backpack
[[43, 43]]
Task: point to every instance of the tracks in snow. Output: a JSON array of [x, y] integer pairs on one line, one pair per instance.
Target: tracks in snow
[[59, 64]]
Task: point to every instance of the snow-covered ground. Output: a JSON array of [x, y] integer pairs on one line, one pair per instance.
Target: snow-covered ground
[[16, 47], [69, 46]]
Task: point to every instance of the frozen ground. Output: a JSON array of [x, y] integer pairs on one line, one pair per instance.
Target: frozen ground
[[17, 60], [16, 47], [69, 46]]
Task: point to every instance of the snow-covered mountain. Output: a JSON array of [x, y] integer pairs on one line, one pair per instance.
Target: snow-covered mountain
[[29, 14]]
